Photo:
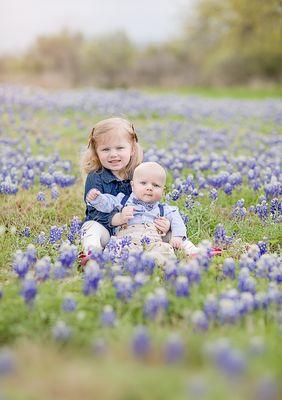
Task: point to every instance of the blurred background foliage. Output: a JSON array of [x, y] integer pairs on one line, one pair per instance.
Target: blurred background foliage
[[221, 43]]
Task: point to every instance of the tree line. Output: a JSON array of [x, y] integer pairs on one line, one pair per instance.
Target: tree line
[[222, 42]]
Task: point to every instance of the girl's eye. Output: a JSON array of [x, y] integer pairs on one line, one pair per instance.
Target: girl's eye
[[120, 148], [105, 149]]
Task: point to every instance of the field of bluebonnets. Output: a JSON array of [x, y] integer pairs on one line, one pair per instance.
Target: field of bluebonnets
[[127, 329]]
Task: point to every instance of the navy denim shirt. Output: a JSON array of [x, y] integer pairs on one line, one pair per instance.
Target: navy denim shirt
[[105, 181]]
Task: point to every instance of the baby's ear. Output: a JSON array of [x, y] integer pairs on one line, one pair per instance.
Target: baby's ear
[[131, 184]]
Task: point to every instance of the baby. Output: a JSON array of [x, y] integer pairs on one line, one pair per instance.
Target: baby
[[138, 211]]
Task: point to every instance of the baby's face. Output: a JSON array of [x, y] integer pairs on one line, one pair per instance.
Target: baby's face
[[148, 186]]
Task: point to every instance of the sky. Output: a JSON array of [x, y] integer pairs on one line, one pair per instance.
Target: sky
[[21, 21]]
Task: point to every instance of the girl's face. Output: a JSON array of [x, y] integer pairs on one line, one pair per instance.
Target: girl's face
[[114, 151]]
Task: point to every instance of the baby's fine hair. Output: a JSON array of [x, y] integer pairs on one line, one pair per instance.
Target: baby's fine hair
[[90, 159]]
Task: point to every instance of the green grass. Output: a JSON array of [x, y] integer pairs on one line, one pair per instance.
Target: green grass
[[71, 370]]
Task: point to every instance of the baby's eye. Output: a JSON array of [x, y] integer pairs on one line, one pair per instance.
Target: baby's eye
[[156, 185], [143, 183]]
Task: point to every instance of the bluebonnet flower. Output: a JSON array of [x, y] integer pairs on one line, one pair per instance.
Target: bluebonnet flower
[[273, 189], [246, 303], [239, 211], [69, 304], [41, 197], [227, 311], [181, 285], [231, 361], [46, 179], [261, 210], [21, 264], [41, 238], [228, 188], [43, 268], [92, 278], [199, 321], [175, 195], [174, 349], [75, 229], [7, 361], [28, 290], [211, 306], [213, 194], [61, 332], [247, 262], [141, 343], [276, 209], [54, 192], [108, 316], [67, 254], [229, 268], [262, 247], [62, 179], [55, 234], [247, 284], [155, 304], [170, 270], [26, 231], [139, 280], [220, 237], [59, 272], [124, 287]]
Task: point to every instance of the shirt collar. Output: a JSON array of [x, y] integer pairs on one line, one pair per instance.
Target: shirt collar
[[108, 176]]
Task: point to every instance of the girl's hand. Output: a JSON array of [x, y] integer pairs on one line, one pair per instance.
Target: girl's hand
[[127, 213], [176, 242], [162, 224], [92, 194]]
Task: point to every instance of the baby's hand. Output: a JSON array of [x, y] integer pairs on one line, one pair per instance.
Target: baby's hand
[[92, 194], [162, 224], [176, 242], [127, 213]]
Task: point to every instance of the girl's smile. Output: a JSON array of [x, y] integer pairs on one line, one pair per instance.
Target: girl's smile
[[114, 152]]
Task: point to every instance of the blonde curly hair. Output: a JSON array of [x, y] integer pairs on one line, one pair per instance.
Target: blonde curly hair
[[90, 160]]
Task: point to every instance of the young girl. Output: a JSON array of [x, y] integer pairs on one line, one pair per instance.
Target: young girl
[[112, 155]]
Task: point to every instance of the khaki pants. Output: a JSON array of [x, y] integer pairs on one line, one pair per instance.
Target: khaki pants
[[159, 250], [96, 236]]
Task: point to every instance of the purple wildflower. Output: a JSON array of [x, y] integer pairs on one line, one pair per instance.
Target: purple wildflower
[[28, 290], [174, 349], [41, 197], [199, 321], [108, 316], [181, 285], [124, 287], [92, 278], [61, 332], [42, 268], [141, 343], [67, 254], [7, 361], [69, 304], [229, 268]]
